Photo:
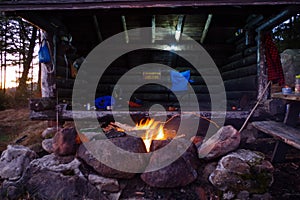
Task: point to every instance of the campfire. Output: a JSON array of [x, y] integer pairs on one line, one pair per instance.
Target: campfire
[[148, 130]]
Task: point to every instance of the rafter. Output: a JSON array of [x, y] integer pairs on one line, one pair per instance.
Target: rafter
[[206, 27], [179, 27], [153, 28], [97, 27], [125, 29]]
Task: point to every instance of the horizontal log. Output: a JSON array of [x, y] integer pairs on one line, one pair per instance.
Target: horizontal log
[[63, 71], [236, 95], [60, 60], [241, 84], [249, 60], [240, 55], [45, 103], [241, 46], [240, 72], [64, 83], [68, 115]]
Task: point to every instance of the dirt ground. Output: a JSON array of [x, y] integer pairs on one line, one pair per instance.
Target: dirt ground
[[15, 124]]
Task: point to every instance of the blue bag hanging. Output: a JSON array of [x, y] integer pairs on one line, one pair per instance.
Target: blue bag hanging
[[44, 53], [180, 80]]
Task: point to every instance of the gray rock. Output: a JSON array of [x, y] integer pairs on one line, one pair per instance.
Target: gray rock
[[243, 195], [249, 135], [265, 196], [52, 177], [55, 163], [104, 184], [9, 190], [228, 195], [226, 139], [127, 143], [208, 169], [64, 142], [14, 161], [181, 172], [49, 132], [47, 145], [44, 184], [243, 170]]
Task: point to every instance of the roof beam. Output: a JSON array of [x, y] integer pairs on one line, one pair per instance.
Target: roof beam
[[206, 27], [179, 27], [153, 24], [30, 5], [97, 27], [125, 29]]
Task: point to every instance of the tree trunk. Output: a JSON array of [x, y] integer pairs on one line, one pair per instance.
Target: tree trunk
[[27, 63]]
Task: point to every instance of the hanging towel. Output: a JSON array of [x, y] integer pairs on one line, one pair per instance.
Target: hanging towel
[[274, 67]]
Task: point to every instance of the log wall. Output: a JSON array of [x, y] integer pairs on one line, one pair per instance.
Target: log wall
[[150, 93], [240, 74]]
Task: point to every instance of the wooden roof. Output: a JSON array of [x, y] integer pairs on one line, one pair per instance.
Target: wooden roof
[[90, 22], [10, 5]]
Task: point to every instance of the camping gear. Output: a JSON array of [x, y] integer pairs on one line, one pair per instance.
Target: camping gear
[[44, 53], [104, 101], [180, 80]]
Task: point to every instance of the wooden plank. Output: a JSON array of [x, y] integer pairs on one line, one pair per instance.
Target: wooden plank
[[291, 97], [287, 134], [68, 114]]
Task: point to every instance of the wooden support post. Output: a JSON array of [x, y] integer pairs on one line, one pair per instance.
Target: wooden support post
[[153, 24], [48, 71], [292, 114], [279, 152], [261, 69]]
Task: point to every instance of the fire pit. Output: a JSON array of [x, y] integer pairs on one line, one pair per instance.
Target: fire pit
[[178, 172]]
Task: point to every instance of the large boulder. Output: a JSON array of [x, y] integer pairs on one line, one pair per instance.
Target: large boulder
[[52, 177], [226, 139], [181, 172], [127, 143], [65, 142], [243, 170], [14, 161]]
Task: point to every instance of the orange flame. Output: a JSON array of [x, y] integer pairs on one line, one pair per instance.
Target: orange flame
[[153, 131]]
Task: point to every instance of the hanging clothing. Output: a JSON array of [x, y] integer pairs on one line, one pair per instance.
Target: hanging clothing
[[274, 67]]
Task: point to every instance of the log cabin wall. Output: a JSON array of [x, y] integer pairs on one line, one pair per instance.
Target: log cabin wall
[[240, 73]]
